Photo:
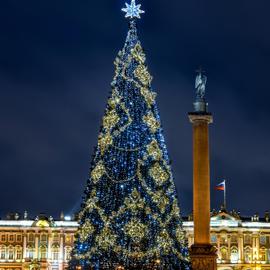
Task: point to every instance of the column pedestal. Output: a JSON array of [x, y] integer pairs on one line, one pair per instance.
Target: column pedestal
[[203, 257]]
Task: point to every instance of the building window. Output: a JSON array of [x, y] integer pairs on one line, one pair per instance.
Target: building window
[[68, 238], [224, 254], [56, 237], [213, 238], [68, 253], [43, 238], [262, 256], [19, 238], [3, 238], [223, 240], [30, 252], [233, 239], [247, 254], [262, 239], [234, 255], [11, 253], [18, 253], [2, 252], [11, 238], [43, 252], [31, 237], [247, 239], [55, 252]]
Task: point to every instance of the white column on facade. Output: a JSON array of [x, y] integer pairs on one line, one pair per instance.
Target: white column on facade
[[36, 246], [241, 247], [218, 247], [49, 246], [229, 247], [61, 252], [24, 245]]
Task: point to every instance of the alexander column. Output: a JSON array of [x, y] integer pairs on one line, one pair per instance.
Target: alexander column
[[202, 253]]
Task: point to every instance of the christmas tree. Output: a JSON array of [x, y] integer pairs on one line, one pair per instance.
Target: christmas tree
[[130, 218]]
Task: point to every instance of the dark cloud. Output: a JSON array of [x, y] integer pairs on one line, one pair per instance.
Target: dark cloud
[[56, 64]]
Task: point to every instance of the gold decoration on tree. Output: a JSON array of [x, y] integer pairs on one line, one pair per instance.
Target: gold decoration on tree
[[98, 172], [161, 200], [159, 174], [110, 119], [106, 239], [164, 241], [138, 53], [154, 150], [152, 122], [148, 95], [136, 230], [86, 230], [104, 141], [143, 75]]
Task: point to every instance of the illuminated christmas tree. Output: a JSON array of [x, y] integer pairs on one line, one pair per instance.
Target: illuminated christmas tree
[[130, 218]]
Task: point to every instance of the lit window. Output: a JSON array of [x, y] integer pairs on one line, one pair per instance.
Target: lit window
[[43, 238], [2, 252], [234, 255], [19, 238], [213, 238], [68, 238], [55, 252], [18, 253], [11, 237], [68, 253], [56, 237], [11, 253], [247, 254], [234, 239], [262, 239], [224, 254], [30, 252], [247, 239], [3, 238], [31, 237], [43, 252]]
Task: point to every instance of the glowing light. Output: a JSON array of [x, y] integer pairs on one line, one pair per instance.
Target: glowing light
[[133, 11]]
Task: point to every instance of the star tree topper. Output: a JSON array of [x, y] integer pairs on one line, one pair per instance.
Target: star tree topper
[[133, 10]]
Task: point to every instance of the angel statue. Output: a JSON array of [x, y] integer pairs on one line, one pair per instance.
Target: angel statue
[[200, 85]]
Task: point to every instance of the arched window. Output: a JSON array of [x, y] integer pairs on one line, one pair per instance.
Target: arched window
[[234, 255], [247, 254], [11, 253], [18, 253], [224, 254], [262, 256], [68, 253], [2, 252], [30, 251], [55, 252], [43, 252]]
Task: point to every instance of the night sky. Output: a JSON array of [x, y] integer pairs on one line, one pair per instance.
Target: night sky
[[56, 65]]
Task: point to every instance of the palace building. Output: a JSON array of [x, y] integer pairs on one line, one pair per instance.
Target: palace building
[[243, 243], [42, 243]]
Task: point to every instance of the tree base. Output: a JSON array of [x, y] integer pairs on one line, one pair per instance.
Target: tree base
[[203, 257]]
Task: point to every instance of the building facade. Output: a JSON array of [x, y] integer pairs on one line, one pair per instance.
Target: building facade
[[35, 244], [241, 243], [43, 243]]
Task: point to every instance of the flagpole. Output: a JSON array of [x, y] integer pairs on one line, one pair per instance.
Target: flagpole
[[225, 206]]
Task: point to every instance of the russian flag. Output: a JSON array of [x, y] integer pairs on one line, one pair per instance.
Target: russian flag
[[220, 186]]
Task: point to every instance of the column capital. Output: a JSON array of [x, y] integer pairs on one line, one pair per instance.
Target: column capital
[[200, 117]]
